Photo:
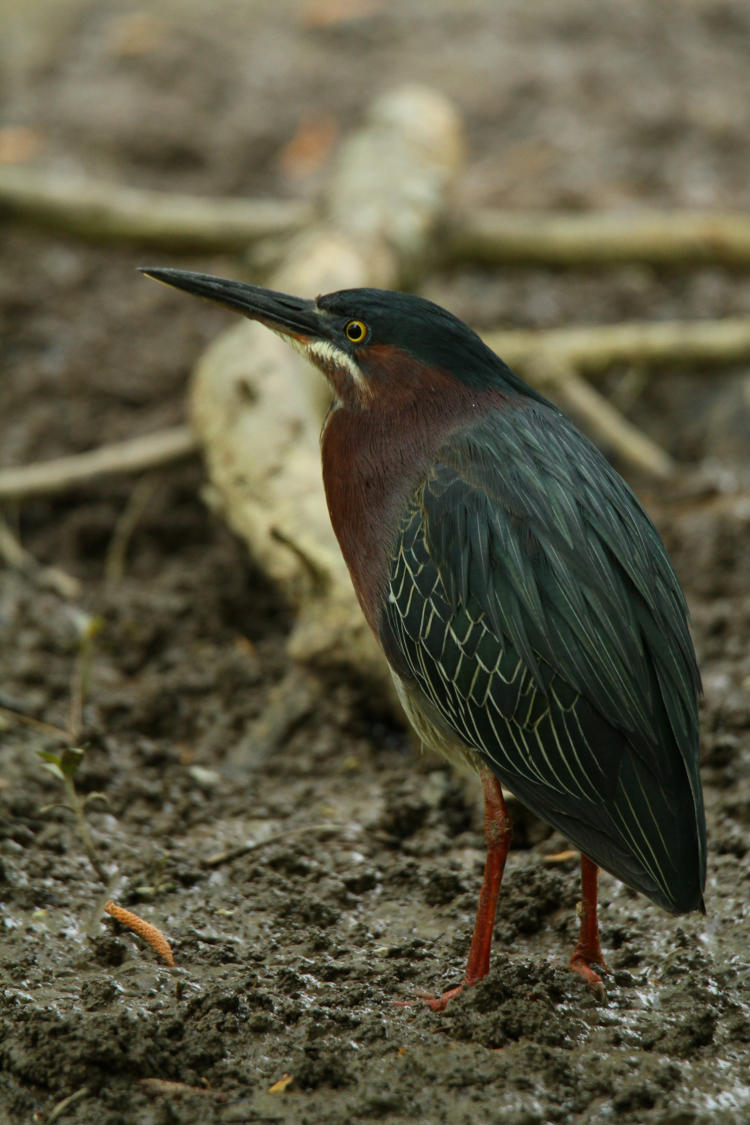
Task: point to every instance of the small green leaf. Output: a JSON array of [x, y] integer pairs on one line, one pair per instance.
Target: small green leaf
[[54, 768], [96, 796], [70, 760], [48, 756]]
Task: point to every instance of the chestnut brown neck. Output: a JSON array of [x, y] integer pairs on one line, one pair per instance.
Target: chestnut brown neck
[[372, 462]]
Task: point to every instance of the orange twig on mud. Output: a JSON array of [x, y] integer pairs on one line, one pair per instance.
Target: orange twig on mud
[[149, 933]]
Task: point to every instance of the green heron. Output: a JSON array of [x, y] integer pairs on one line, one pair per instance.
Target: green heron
[[524, 601]]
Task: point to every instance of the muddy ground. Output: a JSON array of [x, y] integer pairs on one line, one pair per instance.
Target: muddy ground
[[307, 864]]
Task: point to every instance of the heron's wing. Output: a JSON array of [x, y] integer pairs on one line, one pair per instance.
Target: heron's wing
[[533, 604]]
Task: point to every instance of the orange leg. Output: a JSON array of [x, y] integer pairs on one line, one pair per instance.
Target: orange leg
[[497, 833], [588, 949]]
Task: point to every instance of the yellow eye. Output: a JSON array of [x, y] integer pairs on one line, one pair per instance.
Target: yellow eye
[[356, 331]]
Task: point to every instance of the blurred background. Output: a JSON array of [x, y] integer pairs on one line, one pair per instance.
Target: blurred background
[[290, 955], [572, 106]]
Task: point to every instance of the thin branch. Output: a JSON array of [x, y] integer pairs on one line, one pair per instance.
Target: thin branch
[[556, 359], [665, 238], [239, 850], [592, 349], [132, 456], [102, 211], [141, 496], [89, 628], [603, 421], [78, 809], [50, 577], [157, 1086], [67, 1103], [13, 712]]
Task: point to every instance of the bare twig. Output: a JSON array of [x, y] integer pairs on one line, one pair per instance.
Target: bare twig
[[132, 456], [600, 418], [230, 854], [78, 808], [555, 359], [51, 577], [63, 765], [102, 211], [89, 628], [156, 1086], [672, 238], [561, 857], [67, 1103], [140, 498], [283, 1084], [592, 349], [13, 711]]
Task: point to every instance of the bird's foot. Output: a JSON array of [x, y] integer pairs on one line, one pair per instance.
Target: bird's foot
[[435, 1003], [580, 963], [588, 951]]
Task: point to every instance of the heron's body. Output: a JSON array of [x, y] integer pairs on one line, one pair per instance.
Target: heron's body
[[522, 597], [522, 633]]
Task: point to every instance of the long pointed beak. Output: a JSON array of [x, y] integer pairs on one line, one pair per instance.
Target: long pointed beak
[[292, 316]]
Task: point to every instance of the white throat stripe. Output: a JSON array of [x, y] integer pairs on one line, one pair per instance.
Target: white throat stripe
[[328, 355]]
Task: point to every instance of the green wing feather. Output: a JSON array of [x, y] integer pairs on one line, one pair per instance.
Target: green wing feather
[[532, 606]]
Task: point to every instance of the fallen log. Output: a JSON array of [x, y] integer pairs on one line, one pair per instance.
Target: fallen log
[[257, 407]]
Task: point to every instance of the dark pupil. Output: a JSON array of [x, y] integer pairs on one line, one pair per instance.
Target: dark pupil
[[355, 332]]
